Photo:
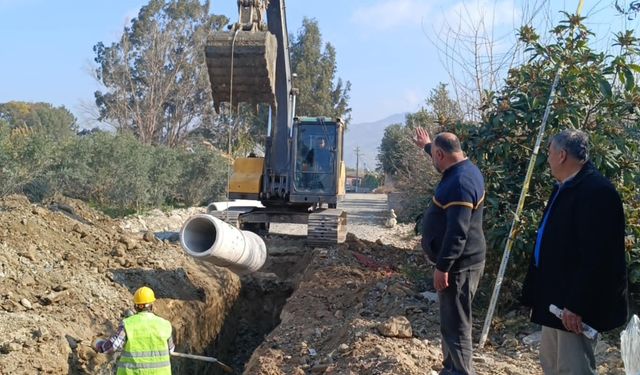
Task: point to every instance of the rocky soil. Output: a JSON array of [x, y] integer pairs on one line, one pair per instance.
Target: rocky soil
[[360, 309], [68, 272]]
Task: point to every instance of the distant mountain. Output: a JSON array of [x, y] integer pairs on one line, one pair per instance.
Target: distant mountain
[[367, 136]]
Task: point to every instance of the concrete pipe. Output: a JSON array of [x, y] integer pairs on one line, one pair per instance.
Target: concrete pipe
[[210, 239]]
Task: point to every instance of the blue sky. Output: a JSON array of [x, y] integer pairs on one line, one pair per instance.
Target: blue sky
[[383, 46]]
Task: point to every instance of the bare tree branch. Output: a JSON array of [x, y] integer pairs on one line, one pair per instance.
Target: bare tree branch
[[475, 56]]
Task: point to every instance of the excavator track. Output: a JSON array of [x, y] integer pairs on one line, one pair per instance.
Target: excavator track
[[327, 227], [253, 66]]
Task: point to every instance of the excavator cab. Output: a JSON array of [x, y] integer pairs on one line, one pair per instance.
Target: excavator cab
[[318, 168]]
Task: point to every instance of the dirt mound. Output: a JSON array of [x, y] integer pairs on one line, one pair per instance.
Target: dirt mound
[[160, 221], [68, 272]]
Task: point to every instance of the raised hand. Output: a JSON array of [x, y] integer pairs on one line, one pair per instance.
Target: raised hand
[[422, 137]]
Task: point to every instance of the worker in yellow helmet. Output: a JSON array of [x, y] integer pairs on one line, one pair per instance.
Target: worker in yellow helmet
[[144, 338]]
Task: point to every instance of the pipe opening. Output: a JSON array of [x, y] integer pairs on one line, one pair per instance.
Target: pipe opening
[[199, 235]]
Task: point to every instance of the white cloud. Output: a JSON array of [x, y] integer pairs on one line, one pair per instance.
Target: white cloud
[[389, 14]]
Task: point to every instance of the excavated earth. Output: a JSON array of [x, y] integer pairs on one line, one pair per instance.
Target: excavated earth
[[67, 274]]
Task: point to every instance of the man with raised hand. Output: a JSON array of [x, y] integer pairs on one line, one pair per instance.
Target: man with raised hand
[[453, 239]]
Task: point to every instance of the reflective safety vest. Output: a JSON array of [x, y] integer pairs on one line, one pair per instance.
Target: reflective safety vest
[[146, 351]]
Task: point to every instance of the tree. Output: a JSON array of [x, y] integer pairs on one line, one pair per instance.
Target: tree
[[470, 50], [394, 149], [319, 92], [442, 108], [396, 153], [371, 181], [155, 78], [57, 122], [237, 133]]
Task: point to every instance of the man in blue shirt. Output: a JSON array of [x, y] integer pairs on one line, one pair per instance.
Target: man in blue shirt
[[453, 239]]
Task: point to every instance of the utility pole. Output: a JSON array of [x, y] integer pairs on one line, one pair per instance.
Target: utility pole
[[357, 150]]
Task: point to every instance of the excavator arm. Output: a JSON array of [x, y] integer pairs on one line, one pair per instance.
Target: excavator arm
[[250, 63], [251, 15]]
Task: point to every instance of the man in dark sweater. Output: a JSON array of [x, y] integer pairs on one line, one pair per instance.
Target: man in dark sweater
[[453, 239], [578, 262]]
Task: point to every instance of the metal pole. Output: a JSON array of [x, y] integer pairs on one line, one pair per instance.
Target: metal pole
[[357, 150], [516, 217], [226, 368], [523, 194]]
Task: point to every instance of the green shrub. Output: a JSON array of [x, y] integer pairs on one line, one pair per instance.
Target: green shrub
[[41, 154], [203, 177], [109, 170], [120, 174], [597, 93]]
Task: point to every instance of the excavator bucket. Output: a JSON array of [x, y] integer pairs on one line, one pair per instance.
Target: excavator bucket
[[242, 66]]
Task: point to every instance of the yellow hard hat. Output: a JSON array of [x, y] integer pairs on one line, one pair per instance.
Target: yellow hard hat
[[144, 296]]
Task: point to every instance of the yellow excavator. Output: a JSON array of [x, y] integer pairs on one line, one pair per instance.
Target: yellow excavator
[[301, 177]]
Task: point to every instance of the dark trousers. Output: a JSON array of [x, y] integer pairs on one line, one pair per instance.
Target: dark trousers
[[456, 320]]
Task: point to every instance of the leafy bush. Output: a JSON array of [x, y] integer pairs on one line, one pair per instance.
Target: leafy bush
[[106, 169], [25, 156], [32, 136], [370, 181], [596, 93], [203, 177], [119, 173], [116, 172], [56, 122]]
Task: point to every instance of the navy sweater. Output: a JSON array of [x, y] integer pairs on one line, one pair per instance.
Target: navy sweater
[[452, 233]]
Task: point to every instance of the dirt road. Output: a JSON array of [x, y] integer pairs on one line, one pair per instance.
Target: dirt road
[[367, 209], [366, 215]]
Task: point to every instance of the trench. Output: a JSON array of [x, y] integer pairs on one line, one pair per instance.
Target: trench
[[257, 310]]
